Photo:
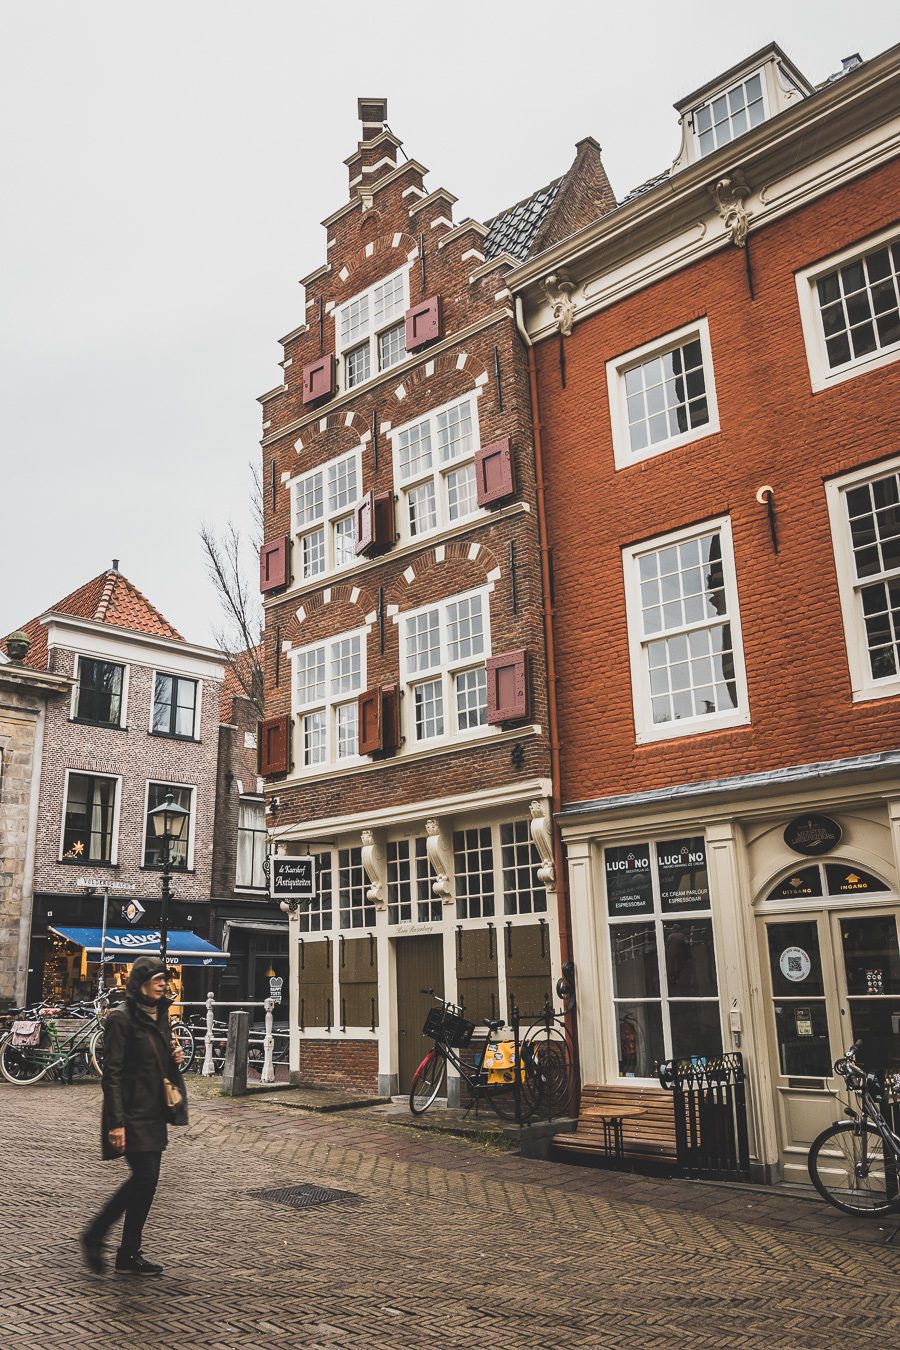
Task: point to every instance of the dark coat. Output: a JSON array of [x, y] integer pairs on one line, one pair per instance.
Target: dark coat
[[137, 1055]]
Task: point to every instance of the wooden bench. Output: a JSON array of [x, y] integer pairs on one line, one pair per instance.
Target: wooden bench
[[647, 1122]]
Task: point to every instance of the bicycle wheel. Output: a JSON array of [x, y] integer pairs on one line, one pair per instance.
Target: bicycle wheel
[[847, 1168], [427, 1083], [95, 1050], [185, 1038], [22, 1067], [502, 1096], [555, 1057]]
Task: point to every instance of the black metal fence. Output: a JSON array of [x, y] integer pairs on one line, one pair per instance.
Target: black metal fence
[[710, 1106]]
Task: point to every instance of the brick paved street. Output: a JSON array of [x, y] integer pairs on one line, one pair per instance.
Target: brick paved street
[[450, 1245]]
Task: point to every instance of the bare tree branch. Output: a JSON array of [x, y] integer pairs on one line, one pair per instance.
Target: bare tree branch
[[240, 635]]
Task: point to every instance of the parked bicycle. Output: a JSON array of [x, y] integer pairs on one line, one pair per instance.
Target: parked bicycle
[[855, 1163], [179, 1029], [37, 1046], [493, 1075]]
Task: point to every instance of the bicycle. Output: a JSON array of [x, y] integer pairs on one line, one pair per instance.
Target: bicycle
[[493, 1075], [34, 1048], [179, 1029], [855, 1163]]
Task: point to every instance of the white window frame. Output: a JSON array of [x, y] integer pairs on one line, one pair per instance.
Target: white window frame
[[328, 704], [821, 376], [192, 821], [117, 808], [645, 729], [862, 683], [741, 80], [198, 706], [329, 519], [437, 474], [616, 370], [249, 798], [123, 706], [445, 672], [371, 333]]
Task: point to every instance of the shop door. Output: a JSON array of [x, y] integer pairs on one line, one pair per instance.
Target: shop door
[[420, 965], [833, 977]]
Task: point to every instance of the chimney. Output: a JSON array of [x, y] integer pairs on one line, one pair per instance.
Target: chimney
[[850, 62], [373, 115], [115, 566]]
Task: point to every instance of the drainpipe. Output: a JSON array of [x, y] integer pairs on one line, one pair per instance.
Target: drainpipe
[[562, 889]]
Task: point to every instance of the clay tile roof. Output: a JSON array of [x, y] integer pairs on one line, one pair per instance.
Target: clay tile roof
[[514, 230], [109, 598]]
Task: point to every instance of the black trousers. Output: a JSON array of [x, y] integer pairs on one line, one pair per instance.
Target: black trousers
[[133, 1199]]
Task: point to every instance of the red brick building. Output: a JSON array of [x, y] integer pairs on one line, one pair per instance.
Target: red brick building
[[406, 739], [717, 390]]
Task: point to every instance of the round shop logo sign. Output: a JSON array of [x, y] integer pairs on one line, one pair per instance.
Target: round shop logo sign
[[795, 964]]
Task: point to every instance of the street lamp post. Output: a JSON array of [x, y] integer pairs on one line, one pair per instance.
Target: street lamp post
[[169, 820]]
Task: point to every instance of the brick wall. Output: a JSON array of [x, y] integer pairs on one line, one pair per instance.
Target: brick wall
[[773, 431], [347, 1064], [238, 760], [138, 757]]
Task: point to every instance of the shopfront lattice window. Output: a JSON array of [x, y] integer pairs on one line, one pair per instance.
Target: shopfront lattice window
[[355, 908], [316, 916], [522, 892], [474, 866], [410, 878]]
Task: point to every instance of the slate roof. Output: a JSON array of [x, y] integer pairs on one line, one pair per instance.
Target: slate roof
[[514, 230], [108, 598], [646, 186]]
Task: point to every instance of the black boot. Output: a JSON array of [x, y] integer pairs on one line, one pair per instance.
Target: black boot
[[92, 1251], [135, 1263]]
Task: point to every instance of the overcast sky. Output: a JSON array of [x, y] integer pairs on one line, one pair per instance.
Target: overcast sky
[[164, 170]]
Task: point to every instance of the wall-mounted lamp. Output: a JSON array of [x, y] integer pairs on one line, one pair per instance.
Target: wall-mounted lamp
[[766, 497]]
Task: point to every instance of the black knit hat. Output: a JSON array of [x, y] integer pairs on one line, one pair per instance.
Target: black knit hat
[[144, 968]]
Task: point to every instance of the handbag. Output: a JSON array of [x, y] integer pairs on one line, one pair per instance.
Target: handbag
[[174, 1095]]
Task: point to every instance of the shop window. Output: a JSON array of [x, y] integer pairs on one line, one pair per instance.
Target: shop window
[[522, 892], [662, 951], [317, 914], [474, 868], [89, 817], [409, 879], [356, 910], [180, 850], [174, 706], [687, 665], [251, 844], [98, 698], [865, 522]]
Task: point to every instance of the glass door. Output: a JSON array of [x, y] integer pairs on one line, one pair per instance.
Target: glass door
[[868, 950]]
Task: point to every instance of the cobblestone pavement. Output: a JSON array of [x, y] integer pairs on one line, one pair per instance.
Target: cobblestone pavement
[[449, 1245]]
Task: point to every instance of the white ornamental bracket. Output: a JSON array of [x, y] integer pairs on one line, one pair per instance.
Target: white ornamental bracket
[[440, 855], [730, 196], [375, 864], [542, 835]]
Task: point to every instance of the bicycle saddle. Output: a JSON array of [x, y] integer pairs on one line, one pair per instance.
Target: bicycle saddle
[[495, 1024]]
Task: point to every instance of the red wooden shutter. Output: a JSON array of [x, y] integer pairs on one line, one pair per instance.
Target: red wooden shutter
[[379, 720], [423, 323], [494, 479], [507, 688], [318, 379], [273, 564], [390, 717], [275, 745], [375, 523]]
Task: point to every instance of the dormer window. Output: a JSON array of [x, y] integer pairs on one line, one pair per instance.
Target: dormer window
[[371, 331], [730, 114]]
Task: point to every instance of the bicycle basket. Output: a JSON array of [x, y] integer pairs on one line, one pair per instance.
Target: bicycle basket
[[26, 1035], [448, 1027]]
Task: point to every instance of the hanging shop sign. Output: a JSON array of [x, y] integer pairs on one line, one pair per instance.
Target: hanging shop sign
[[292, 878], [794, 964], [683, 881], [813, 835], [629, 885]]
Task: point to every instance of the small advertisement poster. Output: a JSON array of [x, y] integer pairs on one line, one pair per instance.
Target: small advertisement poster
[[803, 1022], [629, 885], [683, 881], [874, 981], [795, 964]]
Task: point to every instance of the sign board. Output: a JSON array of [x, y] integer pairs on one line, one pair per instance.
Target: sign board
[[795, 964], [629, 886], [813, 835], [292, 878], [91, 883], [133, 910], [683, 882], [276, 984]]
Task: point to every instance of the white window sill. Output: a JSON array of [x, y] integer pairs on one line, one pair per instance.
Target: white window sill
[[694, 726], [367, 765], [884, 689], [625, 458], [822, 378]]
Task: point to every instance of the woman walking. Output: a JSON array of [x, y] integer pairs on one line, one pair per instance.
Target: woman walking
[[143, 1091]]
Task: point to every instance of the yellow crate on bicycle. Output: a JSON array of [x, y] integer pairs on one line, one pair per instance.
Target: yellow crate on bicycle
[[499, 1063]]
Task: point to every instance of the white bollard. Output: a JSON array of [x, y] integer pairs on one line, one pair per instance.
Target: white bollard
[[268, 1071], [208, 1066]]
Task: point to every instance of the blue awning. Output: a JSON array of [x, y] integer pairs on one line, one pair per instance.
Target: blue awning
[[124, 944]]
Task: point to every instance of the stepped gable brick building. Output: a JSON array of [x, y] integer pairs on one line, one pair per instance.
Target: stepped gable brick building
[[724, 513], [141, 720], [406, 736]]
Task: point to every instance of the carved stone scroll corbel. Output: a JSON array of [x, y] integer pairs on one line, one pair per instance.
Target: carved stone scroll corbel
[[542, 834], [440, 855], [730, 195], [375, 864], [559, 288]]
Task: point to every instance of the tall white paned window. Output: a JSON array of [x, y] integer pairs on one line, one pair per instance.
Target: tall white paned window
[[324, 506], [663, 977], [687, 665], [328, 679], [371, 330], [443, 652], [864, 508], [434, 468]]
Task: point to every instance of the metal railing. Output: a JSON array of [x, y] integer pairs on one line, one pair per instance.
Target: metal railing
[[210, 1003]]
